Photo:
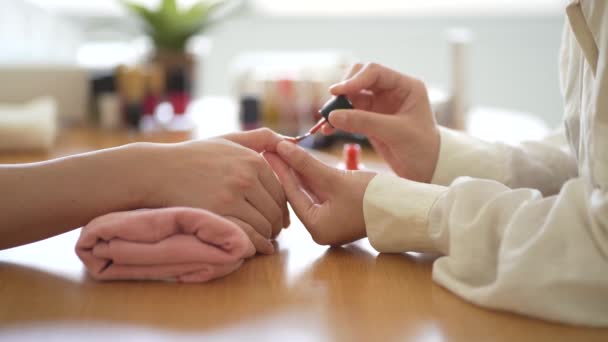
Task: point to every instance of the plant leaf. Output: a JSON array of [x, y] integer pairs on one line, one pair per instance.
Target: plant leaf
[[169, 27], [197, 17], [148, 17], [168, 8]]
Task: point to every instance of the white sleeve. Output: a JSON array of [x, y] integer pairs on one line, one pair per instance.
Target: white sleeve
[[506, 249], [544, 165], [504, 244], [515, 250]]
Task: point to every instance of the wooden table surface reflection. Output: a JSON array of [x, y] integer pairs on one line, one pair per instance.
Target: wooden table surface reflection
[[304, 292]]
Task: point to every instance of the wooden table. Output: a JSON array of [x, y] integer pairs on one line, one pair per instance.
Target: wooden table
[[304, 292]]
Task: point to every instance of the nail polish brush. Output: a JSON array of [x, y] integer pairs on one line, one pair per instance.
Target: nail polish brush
[[338, 102]]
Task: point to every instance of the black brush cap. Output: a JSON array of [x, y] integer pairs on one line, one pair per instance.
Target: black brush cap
[[338, 102], [250, 110]]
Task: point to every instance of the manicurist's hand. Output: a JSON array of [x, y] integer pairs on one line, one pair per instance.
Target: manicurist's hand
[[328, 201], [394, 112], [227, 176]]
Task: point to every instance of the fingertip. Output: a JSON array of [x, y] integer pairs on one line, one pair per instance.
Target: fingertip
[[284, 148], [336, 89], [286, 218], [267, 248], [327, 130], [337, 117]]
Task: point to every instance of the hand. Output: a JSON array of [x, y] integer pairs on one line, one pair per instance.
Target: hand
[[328, 201], [227, 176], [393, 110]]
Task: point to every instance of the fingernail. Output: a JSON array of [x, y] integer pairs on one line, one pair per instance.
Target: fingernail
[[285, 147], [269, 249], [287, 222], [336, 117]]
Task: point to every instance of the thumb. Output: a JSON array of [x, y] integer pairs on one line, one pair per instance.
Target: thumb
[[363, 122]]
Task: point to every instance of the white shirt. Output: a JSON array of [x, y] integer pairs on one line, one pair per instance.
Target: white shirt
[[521, 228]]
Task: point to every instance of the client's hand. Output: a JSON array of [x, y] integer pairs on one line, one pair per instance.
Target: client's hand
[[227, 176]]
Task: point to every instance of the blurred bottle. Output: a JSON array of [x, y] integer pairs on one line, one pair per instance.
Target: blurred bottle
[[106, 102], [270, 112], [155, 88], [249, 103], [351, 156], [155, 93], [178, 89], [132, 87], [288, 113]]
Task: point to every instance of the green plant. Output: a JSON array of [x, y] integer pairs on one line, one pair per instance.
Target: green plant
[[170, 27]]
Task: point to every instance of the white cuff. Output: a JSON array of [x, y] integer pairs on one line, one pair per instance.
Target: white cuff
[[396, 214], [462, 155]]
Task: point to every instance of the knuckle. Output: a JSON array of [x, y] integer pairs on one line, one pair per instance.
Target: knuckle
[[372, 66], [420, 84], [227, 198], [265, 132], [244, 181], [276, 213], [421, 89], [356, 66], [256, 160]]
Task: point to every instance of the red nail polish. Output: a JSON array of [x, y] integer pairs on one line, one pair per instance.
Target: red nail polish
[[178, 89], [352, 158]]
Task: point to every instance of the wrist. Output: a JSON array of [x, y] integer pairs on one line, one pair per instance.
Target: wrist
[[364, 178], [138, 169], [435, 147]]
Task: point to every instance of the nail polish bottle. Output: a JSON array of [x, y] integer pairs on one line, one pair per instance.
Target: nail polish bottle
[[351, 158], [250, 107], [178, 90], [288, 115], [250, 112], [155, 88], [107, 102], [133, 91], [269, 105]]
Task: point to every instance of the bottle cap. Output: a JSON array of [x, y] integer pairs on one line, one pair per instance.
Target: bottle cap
[[338, 102], [104, 84], [178, 80], [352, 156], [250, 110]]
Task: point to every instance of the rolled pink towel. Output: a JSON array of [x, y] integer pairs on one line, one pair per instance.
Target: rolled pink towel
[[185, 244]]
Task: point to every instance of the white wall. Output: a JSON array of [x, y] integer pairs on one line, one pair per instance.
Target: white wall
[[31, 35], [513, 60]]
